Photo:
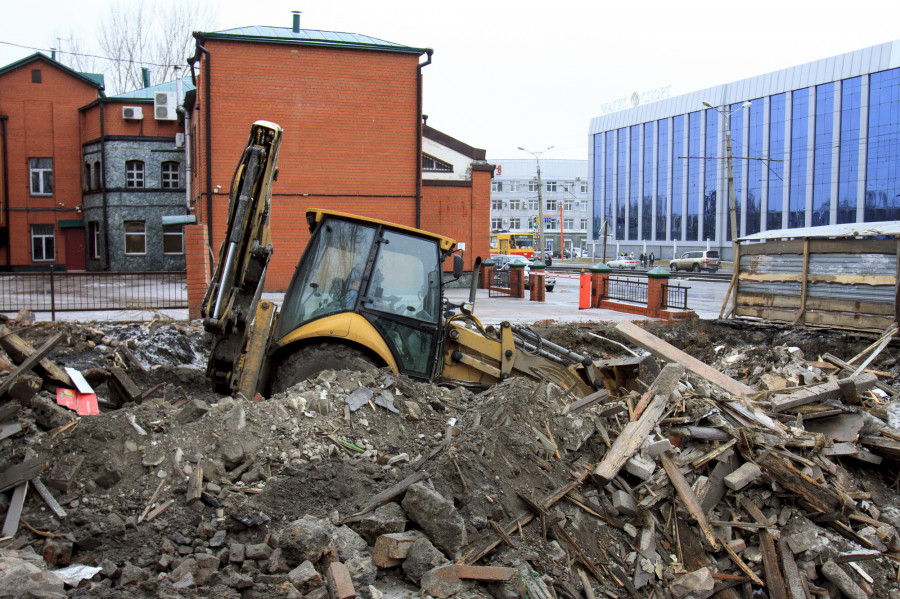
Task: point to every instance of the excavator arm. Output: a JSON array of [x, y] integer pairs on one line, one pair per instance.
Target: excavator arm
[[231, 309]]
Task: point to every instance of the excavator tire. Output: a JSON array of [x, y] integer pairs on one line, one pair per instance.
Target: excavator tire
[[309, 361]]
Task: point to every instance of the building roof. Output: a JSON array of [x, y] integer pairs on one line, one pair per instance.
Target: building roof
[[843, 66], [94, 79], [891, 227], [308, 37], [145, 94], [453, 143]]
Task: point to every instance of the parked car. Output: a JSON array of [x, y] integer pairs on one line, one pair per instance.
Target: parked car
[[503, 261], [623, 262], [697, 261]]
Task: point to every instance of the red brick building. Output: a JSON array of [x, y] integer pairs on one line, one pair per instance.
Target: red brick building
[[351, 109], [40, 163]]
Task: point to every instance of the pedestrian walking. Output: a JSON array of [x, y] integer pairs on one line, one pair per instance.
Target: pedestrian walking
[[651, 259]]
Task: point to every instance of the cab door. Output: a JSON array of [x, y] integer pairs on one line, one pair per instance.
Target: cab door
[[402, 300]]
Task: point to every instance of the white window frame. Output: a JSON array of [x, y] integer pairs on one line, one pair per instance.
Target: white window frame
[[551, 204], [40, 171], [135, 174], [172, 232], [496, 224], [532, 186], [515, 186], [496, 185], [584, 188], [496, 204], [569, 224], [94, 239], [533, 204], [135, 236], [551, 185], [43, 243], [584, 224], [170, 175], [515, 204], [515, 223], [568, 204]]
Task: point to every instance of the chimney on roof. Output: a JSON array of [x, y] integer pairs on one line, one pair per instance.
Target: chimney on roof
[[145, 74], [296, 14]]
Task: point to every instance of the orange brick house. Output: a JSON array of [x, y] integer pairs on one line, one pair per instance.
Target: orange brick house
[[351, 109], [40, 163]]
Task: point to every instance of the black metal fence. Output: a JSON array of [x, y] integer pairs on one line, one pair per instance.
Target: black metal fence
[[500, 284], [627, 290], [675, 296], [92, 291]]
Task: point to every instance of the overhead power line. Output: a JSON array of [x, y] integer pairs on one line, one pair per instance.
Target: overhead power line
[[45, 50]]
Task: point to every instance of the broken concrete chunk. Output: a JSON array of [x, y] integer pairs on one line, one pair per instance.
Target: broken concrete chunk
[[191, 412], [443, 582], [743, 476], [307, 538], [624, 503], [64, 472], [358, 398], [696, 585], [305, 578], [258, 551], [348, 543], [640, 467], [842, 581], [391, 549], [436, 516], [421, 557], [386, 519], [362, 570], [122, 389]]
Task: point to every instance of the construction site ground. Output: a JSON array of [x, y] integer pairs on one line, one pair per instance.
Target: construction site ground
[[181, 492]]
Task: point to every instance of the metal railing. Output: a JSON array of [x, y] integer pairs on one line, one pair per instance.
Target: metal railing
[[92, 291], [500, 286], [627, 290], [675, 296]]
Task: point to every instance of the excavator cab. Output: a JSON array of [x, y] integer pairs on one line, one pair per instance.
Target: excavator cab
[[363, 286]]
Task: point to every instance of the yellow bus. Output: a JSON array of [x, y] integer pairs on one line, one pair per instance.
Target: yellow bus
[[514, 244]]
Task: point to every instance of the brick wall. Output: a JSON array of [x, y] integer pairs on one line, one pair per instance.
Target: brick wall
[[43, 123]]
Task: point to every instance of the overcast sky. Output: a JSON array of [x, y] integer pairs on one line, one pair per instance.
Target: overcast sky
[[533, 74]]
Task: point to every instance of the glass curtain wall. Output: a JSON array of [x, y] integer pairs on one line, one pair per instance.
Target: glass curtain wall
[[622, 187], [755, 166], [695, 185], [647, 194], [677, 175], [822, 163], [799, 149], [609, 179], [711, 176], [662, 179], [634, 182], [848, 171], [882, 200], [738, 150], [777, 105]]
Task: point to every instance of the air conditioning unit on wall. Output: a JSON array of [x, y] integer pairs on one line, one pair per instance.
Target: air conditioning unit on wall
[[164, 106], [132, 112]]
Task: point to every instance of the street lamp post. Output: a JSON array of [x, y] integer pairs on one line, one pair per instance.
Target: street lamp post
[[732, 201], [537, 157]]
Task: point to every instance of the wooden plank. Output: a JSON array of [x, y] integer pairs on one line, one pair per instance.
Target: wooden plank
[[872, 356], [33, 358], [859, 322], [683, 488], [804, 282], [897, 284], [584, 402], [694, 557], [772, 300], [740, 563], [791, 572], [822, 246], [485, 573], [820, 498], [9, 410], [8, 430], [821, 392], [890, 332], [734, 277], [774, 580], [634, 433], [48, 497], [14, 511], [387, 495], [839, 279], [24, 471], [669, 353]]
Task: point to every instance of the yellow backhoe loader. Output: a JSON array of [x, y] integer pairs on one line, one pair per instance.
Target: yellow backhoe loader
[[365, 293]]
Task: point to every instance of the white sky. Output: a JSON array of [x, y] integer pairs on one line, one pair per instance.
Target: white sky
[[533, 74]]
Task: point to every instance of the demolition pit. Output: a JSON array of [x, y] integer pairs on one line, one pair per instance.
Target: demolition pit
[[751, 460]]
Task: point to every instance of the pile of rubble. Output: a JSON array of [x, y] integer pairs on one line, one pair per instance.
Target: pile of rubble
[[767, 467]]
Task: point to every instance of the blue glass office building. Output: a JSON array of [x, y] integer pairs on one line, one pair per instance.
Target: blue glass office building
[[818, 144]]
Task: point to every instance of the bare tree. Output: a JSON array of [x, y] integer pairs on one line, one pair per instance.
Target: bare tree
[[156, 36]]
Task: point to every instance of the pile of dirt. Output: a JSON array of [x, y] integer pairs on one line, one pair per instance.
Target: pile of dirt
[[183, 492]]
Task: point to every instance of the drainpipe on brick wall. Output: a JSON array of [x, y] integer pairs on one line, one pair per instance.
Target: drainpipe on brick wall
[[5, 159], [103, 188], [207, 139], [429, 52]]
